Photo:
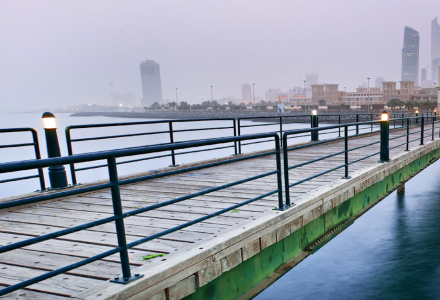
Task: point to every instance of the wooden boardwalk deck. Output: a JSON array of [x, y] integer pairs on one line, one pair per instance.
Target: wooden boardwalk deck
[[27, 222]]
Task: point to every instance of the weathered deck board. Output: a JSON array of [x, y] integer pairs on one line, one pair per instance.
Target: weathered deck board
[[24, 223]]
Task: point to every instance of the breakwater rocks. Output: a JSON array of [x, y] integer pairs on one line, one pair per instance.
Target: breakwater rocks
[[269, 117]]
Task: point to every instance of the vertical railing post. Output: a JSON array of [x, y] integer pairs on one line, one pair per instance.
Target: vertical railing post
[[281, 205], [339, 122], [384, 137], [394, 121], [281, 131], [403, 116], [120, 229], [417, 117], [422, 130], [239, 134], [38, 156], [70, 153], [235, 134], [314, 133], [286, 171], [346, 153], [371, 119], [432, 121], [173, 155], [357, 126], [407, 134]]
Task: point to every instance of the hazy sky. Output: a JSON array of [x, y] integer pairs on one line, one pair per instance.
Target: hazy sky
[[53, 53]]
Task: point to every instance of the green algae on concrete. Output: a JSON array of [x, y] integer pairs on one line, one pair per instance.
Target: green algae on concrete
[[236, 282]]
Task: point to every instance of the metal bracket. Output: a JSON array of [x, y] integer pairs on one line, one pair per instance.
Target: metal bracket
[[171, 166], [349, 177], [123, 280], [285, 207], [62, 188]]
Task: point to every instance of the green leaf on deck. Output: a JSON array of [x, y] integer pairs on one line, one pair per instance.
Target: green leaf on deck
[[152, 256], [235, 211]]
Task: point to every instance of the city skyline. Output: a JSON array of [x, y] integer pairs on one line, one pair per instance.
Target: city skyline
[[66, 64]]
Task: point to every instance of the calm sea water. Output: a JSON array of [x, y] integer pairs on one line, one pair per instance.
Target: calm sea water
[[391, 252]]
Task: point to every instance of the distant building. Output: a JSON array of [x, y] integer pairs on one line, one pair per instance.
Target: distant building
[[151, 84], [410, 55], [435, 48], [435, 70], [426, 94], [378, 82], [362, 97], [405, 93], [325, 94], [246, 93], [272, 94], [311, 79]]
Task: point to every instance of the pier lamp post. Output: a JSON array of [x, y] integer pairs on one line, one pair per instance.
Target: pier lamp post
[[314, 125], [435, 114], [417, 114], [57, 174], [384, 137]]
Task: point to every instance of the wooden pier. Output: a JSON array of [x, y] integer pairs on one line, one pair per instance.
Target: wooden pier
[[178, 264]]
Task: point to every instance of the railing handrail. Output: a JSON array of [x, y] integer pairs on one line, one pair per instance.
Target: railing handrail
[[77, 158]]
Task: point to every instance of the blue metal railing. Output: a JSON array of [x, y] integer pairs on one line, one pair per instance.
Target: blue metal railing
[[115, 183], [36, 147], [170, 133]]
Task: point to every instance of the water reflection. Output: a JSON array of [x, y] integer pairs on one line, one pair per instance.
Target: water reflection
[[391, 252]]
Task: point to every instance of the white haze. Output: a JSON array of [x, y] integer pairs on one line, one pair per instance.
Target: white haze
[[55, 53]]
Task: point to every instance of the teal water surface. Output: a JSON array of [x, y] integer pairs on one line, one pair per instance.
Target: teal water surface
[[391, 252]]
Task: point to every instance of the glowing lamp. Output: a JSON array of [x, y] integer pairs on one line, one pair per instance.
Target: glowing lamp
[[314, 112], [49, 121], [384, 116], [417, 111]]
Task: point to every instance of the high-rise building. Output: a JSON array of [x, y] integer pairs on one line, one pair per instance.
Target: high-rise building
[[311, 79], [410, 55], [435, 47], [246, 93], [424, 74], [378, 82], [435, 70], [151, 84]]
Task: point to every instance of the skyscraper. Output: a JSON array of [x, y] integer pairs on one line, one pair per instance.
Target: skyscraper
[[246, 93], [151, 85], [435, 48], [410, 55]]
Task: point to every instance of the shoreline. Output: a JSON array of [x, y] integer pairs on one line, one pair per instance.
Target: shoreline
[[252, 116]]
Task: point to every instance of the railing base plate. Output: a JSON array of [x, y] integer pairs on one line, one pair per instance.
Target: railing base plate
[[123, 280], [285, 207]]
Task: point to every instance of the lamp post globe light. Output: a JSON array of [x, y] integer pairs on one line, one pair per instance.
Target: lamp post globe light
[[417, 114], [384, 136], [57, 174], [315, 134]]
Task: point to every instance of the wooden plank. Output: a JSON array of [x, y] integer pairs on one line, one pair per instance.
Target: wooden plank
[[62, 285], [29, 295]]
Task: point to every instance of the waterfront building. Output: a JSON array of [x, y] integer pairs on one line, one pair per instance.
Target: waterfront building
[[410, 55], [435, 49], [299, 100], [405, 93], [151, 83], [362, 97], [325, 94], [426, 94], [378, 82], [246, 93]]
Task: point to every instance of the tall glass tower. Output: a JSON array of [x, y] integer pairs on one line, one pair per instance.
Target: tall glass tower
[[435, 50], [151, 84], [410, 56]]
